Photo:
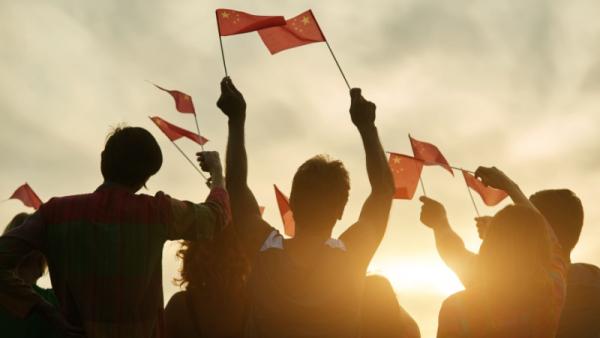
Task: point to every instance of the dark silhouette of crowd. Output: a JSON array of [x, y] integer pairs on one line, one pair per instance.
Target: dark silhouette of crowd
[[242, 278]]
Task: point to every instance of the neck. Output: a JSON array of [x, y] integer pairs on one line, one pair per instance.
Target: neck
[[308, 236]]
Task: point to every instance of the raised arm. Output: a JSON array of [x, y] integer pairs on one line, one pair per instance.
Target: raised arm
[[366, 234], [450, 246], [247, 220]]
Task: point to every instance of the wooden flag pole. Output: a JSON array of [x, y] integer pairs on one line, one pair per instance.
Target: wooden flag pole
[[188, 159], [472, 199], [221, 43]]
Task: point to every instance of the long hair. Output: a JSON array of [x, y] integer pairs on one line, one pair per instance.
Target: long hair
[[218, 265]]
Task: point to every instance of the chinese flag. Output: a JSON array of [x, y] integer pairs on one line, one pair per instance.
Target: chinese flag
[[232, 22], [261, 210], [183, 102], [300, 30], [289, 226], [429, 154], [407, 172], [174, 133], [26, 195], [489, 195]]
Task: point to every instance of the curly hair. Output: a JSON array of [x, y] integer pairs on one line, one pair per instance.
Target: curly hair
[[219, 265]]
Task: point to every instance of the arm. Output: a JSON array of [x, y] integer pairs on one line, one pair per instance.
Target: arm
[[366, 234], [248, 222], [450, 246], [190, 221], [16, 296]]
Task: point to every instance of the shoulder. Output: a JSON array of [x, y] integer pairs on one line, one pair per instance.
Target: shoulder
[[584, 274], [177, 319]]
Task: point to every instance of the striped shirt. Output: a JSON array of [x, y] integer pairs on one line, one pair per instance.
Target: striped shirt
[[104, 253]]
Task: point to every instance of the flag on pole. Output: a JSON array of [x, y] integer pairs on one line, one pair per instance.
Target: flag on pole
[[26, 195], [183, 102], [429, 154], [289, 225], [489, 195], [297, 31], [174, 132], [261, 210], [406, 171], [231, 22]]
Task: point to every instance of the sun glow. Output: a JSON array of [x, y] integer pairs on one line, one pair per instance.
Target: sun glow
[[418, 275]]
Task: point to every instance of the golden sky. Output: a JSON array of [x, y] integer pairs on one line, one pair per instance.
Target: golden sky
[[508, 83]]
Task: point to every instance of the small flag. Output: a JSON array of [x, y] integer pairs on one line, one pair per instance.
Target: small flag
[[261, 210], [300, 30], [489, 195], [407, 172], [231, 22], [183, 102], [429, 154], [289, 225], [174, 132], [26, 195]]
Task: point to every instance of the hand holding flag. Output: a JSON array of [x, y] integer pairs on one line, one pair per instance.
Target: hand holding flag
[[489, 195]]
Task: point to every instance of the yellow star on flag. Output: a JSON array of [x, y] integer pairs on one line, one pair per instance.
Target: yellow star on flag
[[305, 20], [225, 15]]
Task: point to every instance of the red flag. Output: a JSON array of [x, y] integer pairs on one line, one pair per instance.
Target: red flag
[[300, 30], [174, 133], [261, 210], [489, 195], [26, 195], [407, 172], [183, 102], [429, 154], [232, 22], [289, 225]]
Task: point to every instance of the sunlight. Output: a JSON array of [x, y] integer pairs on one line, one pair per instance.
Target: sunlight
[[418, 275]]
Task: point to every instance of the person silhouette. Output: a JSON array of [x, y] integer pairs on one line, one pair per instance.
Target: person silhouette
[[104, 248], [515, 286], [312, 284]]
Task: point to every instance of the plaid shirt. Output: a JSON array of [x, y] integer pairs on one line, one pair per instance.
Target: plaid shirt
[[104, 253]]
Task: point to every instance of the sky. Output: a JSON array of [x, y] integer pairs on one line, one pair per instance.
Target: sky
[[507, 83]]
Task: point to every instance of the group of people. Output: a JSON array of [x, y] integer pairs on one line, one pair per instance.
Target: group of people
[[242, 278]]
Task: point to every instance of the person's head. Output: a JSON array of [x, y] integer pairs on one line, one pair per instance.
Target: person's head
[[131, 155], [33, 265], [319, 194], [564, 212], [515, 252]]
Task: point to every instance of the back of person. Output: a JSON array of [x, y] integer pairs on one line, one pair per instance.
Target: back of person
[[104, 252], [292, 298], [580, 317]]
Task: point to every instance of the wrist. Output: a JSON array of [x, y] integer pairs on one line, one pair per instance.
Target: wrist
[[238, 119], [441, 226], [368, 128]]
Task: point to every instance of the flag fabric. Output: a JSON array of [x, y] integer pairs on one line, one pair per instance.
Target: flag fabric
[[429, 154], [174, 132], [183, 102], [407, 172], [261, 210], [289, 225], [489, 195], [26, 195], [300, 30], [231, 22]]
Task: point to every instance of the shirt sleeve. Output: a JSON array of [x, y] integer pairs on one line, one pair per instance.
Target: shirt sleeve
[[17, 297], [190, 221]]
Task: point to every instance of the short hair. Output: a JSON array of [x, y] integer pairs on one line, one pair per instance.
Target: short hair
[[564, 211], [320, 187], [131, 155]]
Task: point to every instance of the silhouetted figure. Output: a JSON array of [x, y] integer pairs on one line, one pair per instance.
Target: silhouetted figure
[[382, 315], [515, 286], [581, 315], [104, 249], [29, 269], [311, 285], [213, 304]]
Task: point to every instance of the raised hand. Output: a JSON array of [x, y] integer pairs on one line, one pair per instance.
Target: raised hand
[[362, 111], [495, 178], [433, 213], [231, 102], [482, 224], [211, 163]]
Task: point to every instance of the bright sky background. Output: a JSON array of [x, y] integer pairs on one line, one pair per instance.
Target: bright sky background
[[509, 83]]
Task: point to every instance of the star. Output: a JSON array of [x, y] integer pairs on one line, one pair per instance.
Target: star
[[305, 20], [225, 15], [186, 97], [397, 160]]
